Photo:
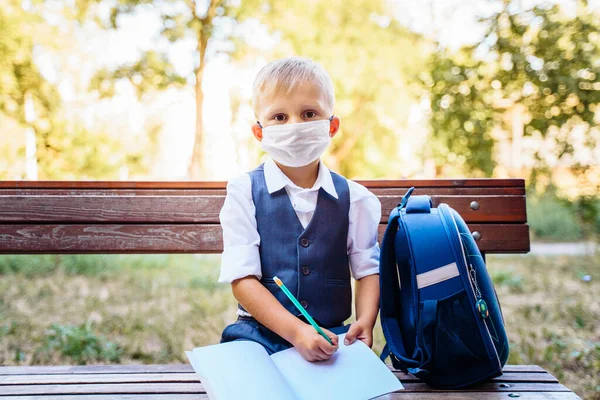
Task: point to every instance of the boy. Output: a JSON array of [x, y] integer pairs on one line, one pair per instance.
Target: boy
[[293, 218]]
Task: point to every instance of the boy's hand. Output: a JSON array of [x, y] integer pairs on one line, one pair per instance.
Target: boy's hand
[[312, 345], [361, 331]]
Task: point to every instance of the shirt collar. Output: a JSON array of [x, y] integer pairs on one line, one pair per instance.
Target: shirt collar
[[277, 180]]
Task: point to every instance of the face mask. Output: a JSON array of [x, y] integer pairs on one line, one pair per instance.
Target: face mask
[[296, 145]]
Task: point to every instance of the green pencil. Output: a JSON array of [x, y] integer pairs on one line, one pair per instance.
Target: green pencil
[[299, 307]]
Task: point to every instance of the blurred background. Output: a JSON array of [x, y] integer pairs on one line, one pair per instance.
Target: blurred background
[[160, 90]]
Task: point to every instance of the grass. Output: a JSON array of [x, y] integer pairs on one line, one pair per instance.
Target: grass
[[132, 309]]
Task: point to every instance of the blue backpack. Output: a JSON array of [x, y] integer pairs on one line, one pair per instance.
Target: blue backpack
[[439, 311]]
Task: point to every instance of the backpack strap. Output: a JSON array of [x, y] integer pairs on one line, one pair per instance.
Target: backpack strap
[[425, 340], [389, 289], [389, 300]]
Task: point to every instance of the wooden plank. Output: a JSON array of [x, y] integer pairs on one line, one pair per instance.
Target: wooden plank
[[398, 395], [388, 191], [206, 208], [197, 387], [380, 183], [117, 377], [188, 238], [523, 368], [501, 209], [495, 238], [109, 239], [167, 368], [169, 396], [460, 395]]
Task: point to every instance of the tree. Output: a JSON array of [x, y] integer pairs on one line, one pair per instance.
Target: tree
[[26, 97], [373, 62], [201, 21], [540, 67], [32, 112]]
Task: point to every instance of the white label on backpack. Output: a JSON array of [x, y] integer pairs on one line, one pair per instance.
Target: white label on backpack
[[437, 275]]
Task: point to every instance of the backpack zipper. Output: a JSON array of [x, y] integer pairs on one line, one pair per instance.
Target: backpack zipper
[[482, 307], [472, 284]]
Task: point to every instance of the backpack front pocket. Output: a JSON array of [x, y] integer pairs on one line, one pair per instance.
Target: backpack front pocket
[[457, 337]]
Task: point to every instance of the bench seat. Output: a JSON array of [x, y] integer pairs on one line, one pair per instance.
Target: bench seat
[[180, 382]]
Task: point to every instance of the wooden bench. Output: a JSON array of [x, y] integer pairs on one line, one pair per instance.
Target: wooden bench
[[58, 217]]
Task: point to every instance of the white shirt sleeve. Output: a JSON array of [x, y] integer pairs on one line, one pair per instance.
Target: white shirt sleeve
[[240, 256], [364, 215]]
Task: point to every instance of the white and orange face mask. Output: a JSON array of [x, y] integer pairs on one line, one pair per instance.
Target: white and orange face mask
[[296, 145]]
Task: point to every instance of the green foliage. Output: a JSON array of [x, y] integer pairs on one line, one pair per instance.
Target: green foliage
[[552, 219], [102, 265], [587, 209], [373, 62], [38, 265], [71, 264], [152, 71], [19, 75], [539, 61], [81, 344], [64, 149]]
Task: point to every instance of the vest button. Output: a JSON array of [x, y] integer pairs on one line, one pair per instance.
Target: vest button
[[304, 303], [304, 242], [305, 270]]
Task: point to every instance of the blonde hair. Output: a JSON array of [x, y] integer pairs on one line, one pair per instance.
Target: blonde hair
[[285, 74]]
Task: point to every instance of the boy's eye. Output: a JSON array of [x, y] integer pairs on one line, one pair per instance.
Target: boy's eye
[[310, 114], [279, 117]]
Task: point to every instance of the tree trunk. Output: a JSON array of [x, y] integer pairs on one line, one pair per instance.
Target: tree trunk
[[197, 168]]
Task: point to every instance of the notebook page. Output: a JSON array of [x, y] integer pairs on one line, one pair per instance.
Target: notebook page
[[239, 370], [353, 372]]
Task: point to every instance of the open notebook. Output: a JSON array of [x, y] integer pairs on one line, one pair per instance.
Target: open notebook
[[243, 369]]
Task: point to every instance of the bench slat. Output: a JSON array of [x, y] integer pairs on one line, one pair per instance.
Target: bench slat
[[484, 396], [394, 396], [197, 387], [184, 238], [27, 379], [205, 208], [170, 396], [167, 369], [386, 191], [380, 183]]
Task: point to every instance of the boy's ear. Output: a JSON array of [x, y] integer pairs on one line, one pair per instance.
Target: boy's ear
[[334, 126], [257, 131]]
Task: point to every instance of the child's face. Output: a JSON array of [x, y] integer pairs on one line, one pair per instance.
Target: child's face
[[307, 102]]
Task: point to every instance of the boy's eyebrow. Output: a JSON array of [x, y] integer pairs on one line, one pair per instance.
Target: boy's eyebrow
[[316, 105], [274, 110]]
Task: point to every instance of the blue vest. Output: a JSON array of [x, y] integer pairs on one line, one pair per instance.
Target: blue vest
[[311, 262]]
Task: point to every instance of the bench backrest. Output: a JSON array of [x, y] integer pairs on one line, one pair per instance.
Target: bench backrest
[[183, 217]]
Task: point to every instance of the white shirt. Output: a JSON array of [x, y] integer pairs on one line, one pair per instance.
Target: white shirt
[[241, 240]]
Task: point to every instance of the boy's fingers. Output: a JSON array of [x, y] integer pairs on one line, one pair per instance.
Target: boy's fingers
[[326, 347], [321, 354], [351, 334], [334, 340], [332, 336]]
